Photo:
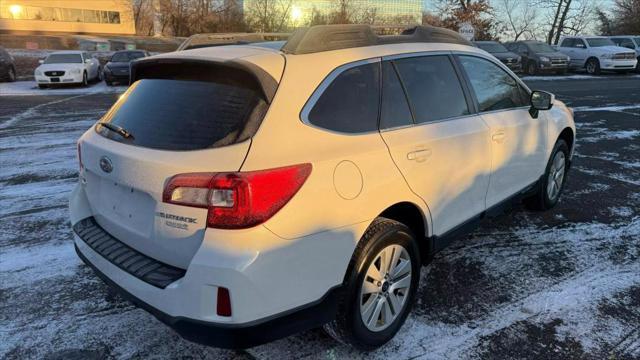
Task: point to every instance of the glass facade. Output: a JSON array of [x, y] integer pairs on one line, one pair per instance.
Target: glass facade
[[24, 12], [386, 11]]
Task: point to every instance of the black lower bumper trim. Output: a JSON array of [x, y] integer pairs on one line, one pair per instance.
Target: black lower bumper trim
[[240, 336]]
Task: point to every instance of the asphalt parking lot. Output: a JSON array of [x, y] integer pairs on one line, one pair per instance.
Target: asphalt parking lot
[[561, 284]]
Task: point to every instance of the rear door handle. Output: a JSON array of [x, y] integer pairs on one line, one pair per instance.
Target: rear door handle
[[499, 137], [419, 155]]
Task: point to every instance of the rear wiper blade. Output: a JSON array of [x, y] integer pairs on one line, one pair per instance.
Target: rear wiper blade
[[117, 129]]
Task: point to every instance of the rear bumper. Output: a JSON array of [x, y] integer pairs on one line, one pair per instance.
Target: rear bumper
[[277, 286], [238, 336]]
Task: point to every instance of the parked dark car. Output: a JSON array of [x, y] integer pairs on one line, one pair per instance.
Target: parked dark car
[[117, 69], [509, 58], [539, 57], [7, 66]]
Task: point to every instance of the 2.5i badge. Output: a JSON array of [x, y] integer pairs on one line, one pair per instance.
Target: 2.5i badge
[[176, 221]]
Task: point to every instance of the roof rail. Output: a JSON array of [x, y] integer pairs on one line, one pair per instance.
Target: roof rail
[[335, 37]]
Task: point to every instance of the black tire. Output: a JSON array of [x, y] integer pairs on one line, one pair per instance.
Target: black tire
[[532, 68], [85, 80], [109, 83], [348, 327], [541, 200], [593, 66], [100, 75], [11, 74], [638, 65]]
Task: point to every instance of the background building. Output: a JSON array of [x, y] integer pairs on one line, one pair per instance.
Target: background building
[[67, 16], [370, 11]]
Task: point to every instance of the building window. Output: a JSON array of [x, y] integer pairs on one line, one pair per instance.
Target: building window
[[20, 12]]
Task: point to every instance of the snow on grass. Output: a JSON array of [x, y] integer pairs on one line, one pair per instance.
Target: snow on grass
[[30, 88]]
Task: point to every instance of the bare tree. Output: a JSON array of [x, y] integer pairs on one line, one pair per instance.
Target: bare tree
[[268, 15], [520, 16]]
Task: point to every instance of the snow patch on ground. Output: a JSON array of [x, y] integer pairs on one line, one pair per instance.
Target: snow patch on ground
[[613, 108], [30, 88]]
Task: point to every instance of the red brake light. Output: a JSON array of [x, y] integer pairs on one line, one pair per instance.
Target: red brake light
[[240, 199]]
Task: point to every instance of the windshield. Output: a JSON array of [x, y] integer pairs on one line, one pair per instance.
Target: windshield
[[599, 42], [64, 59], [492, 47], [185, 115], [126, 56], [637, 40], [541, 47]]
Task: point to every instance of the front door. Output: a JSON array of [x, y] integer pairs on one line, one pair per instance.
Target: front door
[[518, 140]]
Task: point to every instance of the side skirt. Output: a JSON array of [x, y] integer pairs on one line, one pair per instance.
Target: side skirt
[[439, 242]]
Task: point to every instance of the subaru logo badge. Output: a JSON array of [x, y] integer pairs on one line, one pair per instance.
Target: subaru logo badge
[[105, 164]]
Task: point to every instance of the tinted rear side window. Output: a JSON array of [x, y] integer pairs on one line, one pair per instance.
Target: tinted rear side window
[[433, 88], [395, 110], [350, 103], [185, 115]]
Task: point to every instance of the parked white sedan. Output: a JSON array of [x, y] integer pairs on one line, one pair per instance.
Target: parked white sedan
[[67, 67]]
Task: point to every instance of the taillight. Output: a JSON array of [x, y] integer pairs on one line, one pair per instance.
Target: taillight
[[237, 200], [79, 156], [223, 307]]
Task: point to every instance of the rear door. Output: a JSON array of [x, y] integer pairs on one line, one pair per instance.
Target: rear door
[[518, 141], [176, 126], [442, 150]]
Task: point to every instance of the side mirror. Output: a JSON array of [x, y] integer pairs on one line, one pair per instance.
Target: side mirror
[[540, 100], [41, 61]]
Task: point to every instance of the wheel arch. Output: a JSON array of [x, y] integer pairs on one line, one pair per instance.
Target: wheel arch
[[568, 136], [415, 219]]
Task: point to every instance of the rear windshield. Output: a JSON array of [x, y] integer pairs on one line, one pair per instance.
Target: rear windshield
[[185, 114], [63, 59]]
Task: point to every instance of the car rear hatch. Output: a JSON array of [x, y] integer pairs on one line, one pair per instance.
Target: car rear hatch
[[179, 116]]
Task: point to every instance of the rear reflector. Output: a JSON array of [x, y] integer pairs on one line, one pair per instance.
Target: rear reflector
[[223, 307], [240, 199]]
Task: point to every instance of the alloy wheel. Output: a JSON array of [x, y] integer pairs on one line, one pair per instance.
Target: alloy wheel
[[385, 288], [556, 176]]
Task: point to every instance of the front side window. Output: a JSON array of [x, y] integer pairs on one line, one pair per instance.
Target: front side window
[[600, 42], [433, 88], [495, 89], [350, 103], [567, 43]]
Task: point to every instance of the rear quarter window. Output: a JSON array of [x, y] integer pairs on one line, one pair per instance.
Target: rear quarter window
[[172, 114]]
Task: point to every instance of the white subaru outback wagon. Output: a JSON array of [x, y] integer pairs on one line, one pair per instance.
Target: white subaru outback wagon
[[241, 194]]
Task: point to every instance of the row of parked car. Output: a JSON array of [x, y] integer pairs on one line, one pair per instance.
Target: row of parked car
[[79, 67], [591, 53]]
